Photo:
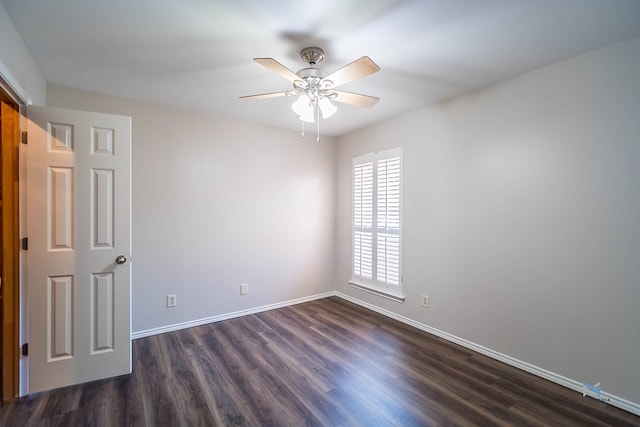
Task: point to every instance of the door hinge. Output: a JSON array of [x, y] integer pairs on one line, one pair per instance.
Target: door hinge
[[25, 243], [25, 349], [24, 138]]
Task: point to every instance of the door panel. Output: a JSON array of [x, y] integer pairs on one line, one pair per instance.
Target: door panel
[[78, 223]]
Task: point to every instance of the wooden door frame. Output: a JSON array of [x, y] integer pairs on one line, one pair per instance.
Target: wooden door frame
[[10, 146]]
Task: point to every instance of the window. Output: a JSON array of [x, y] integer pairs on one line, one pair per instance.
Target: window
[[377, 237]]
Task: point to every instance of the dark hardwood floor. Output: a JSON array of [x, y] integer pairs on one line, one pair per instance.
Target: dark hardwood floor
[[321, 363]]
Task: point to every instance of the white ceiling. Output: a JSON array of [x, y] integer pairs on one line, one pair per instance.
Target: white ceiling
[[197, 54]]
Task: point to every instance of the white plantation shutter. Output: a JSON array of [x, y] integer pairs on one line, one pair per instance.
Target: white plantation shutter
[[388, 222], [377, 180], [363, 221]]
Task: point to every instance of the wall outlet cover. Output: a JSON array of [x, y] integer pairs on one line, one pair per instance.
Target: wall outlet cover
[[425, 301], [171, 300]]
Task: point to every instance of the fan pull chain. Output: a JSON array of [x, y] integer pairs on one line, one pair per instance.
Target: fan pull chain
[[302, 129], [318, 123]]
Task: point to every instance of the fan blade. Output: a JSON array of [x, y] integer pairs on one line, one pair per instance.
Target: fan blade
[[358, 68], [269, 95], [274, 65], [356, 99]]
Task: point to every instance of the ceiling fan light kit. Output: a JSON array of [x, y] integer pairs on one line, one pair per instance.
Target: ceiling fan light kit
[[315, 92]]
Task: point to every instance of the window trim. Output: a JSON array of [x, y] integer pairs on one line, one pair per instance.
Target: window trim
[[386, 290], [398, 297]]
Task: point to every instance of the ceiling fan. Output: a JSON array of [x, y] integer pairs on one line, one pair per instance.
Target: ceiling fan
[[316, 92]]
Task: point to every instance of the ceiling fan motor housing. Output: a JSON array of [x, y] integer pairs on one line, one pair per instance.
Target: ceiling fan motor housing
[[313, 85], [306, 73]]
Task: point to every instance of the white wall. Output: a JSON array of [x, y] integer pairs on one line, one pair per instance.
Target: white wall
[[522, 216], [217, 203], [16, 63]]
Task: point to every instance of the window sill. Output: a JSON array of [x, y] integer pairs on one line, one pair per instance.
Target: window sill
[[376, 291]]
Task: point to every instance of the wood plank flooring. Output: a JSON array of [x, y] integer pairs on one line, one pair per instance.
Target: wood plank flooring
[[321, 363]]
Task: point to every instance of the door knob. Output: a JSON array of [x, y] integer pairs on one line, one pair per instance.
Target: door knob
[[121, 259]]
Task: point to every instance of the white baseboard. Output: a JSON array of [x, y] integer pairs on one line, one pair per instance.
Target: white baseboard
[[212, 319], [611, 399]]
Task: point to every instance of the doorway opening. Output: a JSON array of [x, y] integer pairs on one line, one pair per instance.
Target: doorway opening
[[9, 248]]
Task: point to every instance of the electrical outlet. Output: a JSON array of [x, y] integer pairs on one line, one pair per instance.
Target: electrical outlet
[[244, 289], [171, 300], [425, 301]]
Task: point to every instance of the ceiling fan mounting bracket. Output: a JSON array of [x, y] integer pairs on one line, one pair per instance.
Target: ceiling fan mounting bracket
[[312, 55]]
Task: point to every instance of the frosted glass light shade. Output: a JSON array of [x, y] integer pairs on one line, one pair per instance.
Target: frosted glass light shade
[[304, 109], [327, 108]]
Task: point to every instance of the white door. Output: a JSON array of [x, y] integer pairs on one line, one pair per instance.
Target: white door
[[78, 275]]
